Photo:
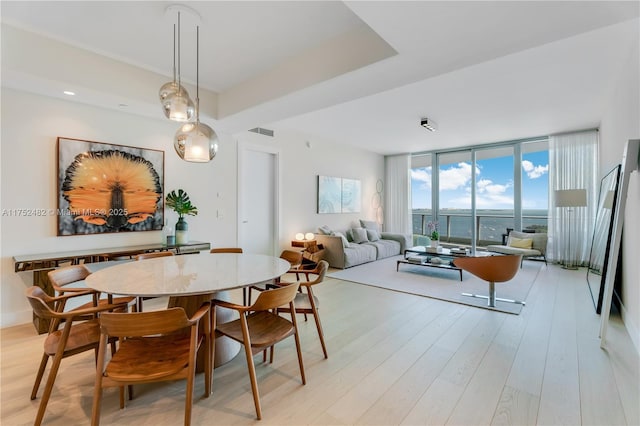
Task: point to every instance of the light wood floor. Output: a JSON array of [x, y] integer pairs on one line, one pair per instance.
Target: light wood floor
[[394, 358]]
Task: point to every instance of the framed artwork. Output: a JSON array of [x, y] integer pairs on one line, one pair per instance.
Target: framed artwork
[[106, 188], [329, 194], [338, 195], [351, 196]]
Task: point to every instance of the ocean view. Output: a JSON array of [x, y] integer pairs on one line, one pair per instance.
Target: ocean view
[[455, 224]]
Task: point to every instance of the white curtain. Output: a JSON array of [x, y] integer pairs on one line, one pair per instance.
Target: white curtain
[[397, 202], [573, 164]]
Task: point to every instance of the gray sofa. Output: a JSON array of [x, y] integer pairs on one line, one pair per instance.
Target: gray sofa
[[538, 248], [343, 250]]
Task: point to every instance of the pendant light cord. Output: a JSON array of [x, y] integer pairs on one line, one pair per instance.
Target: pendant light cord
[[174, 53], [179, 82], [198, 74]]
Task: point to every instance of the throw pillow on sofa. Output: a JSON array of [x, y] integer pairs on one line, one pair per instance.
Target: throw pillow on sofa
[[359, 235], [324, 230], [345, 242], [373, 235]]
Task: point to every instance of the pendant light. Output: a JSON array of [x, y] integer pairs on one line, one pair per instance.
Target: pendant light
[[195, 141], [176, 103]]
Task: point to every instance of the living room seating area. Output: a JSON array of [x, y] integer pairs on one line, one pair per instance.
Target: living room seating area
[[360, 244]]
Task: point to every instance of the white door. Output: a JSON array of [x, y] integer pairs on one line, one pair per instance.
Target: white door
[[258, 200]]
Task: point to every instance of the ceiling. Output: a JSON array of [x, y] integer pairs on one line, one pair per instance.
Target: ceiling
[[358, 73]]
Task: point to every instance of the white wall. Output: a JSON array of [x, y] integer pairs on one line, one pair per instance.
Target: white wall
[[30, 126], [301, 163], [31, 123], [621, 122]]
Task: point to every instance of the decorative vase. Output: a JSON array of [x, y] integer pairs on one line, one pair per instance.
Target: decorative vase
[[182, 231], [434, 243]]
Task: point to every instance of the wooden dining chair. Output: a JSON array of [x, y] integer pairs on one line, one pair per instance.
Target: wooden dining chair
[[259, 328], [69, 280], [151, 255], [78, 335], [308, 303], [494, 269], [226, 250], [154, 346], [295, 260]]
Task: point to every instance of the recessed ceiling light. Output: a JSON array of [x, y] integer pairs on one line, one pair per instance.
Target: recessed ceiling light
[[68, 92]]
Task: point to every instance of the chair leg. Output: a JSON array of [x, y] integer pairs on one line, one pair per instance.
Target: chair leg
[[250, 365], [43, 366], [208, 361], [213, 344], [55, 365], [297, 339], [97, 390], [316, 317]]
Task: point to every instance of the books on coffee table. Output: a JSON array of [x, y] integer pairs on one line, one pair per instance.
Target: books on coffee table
[[416, 259]]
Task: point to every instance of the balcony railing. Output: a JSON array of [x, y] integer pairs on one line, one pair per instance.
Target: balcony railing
[[455, 228]]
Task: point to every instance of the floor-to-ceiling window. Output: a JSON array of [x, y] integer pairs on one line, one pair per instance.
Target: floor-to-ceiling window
[[477, 194], [421, 196], [454, 197], [494, 194], [535, 185]]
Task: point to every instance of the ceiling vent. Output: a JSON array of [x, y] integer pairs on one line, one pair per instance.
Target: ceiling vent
[[262, 131]]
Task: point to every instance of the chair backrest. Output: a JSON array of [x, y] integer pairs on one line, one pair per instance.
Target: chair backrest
[[539, 239], [226, 250], [320, 270], [292, 256], [271, 299], [491, 268], [139, 324], [66, 275], [153, 255], [40, 302]]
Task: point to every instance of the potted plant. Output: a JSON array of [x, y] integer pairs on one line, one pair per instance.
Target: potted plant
[[435, 235], [181, 204]]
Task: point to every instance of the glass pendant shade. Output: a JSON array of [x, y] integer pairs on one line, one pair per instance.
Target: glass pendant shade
[[178, 106], [169, 88], [196, 142]]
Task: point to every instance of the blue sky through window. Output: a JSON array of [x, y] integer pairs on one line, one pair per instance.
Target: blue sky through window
[[494, 179]]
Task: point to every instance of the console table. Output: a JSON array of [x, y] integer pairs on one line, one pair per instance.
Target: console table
[[40, 264]]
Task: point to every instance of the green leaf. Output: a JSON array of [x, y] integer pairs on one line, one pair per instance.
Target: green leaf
[[180, 203]]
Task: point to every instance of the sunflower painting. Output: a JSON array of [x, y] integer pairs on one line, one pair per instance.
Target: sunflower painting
[[108, 188]]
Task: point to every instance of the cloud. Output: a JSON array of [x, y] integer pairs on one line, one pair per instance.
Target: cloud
[[486, 186], [534, 172], [455, 177], [423, 175]]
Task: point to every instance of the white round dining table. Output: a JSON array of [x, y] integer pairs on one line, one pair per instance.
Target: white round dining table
[[187, 275], [190, 280]]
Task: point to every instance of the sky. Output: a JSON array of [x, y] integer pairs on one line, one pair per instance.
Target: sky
[[494, 179]]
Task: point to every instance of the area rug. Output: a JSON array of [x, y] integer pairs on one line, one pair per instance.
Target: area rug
[[441, 283]]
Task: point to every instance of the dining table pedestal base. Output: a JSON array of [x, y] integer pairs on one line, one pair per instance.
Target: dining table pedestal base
[[226, 349]]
